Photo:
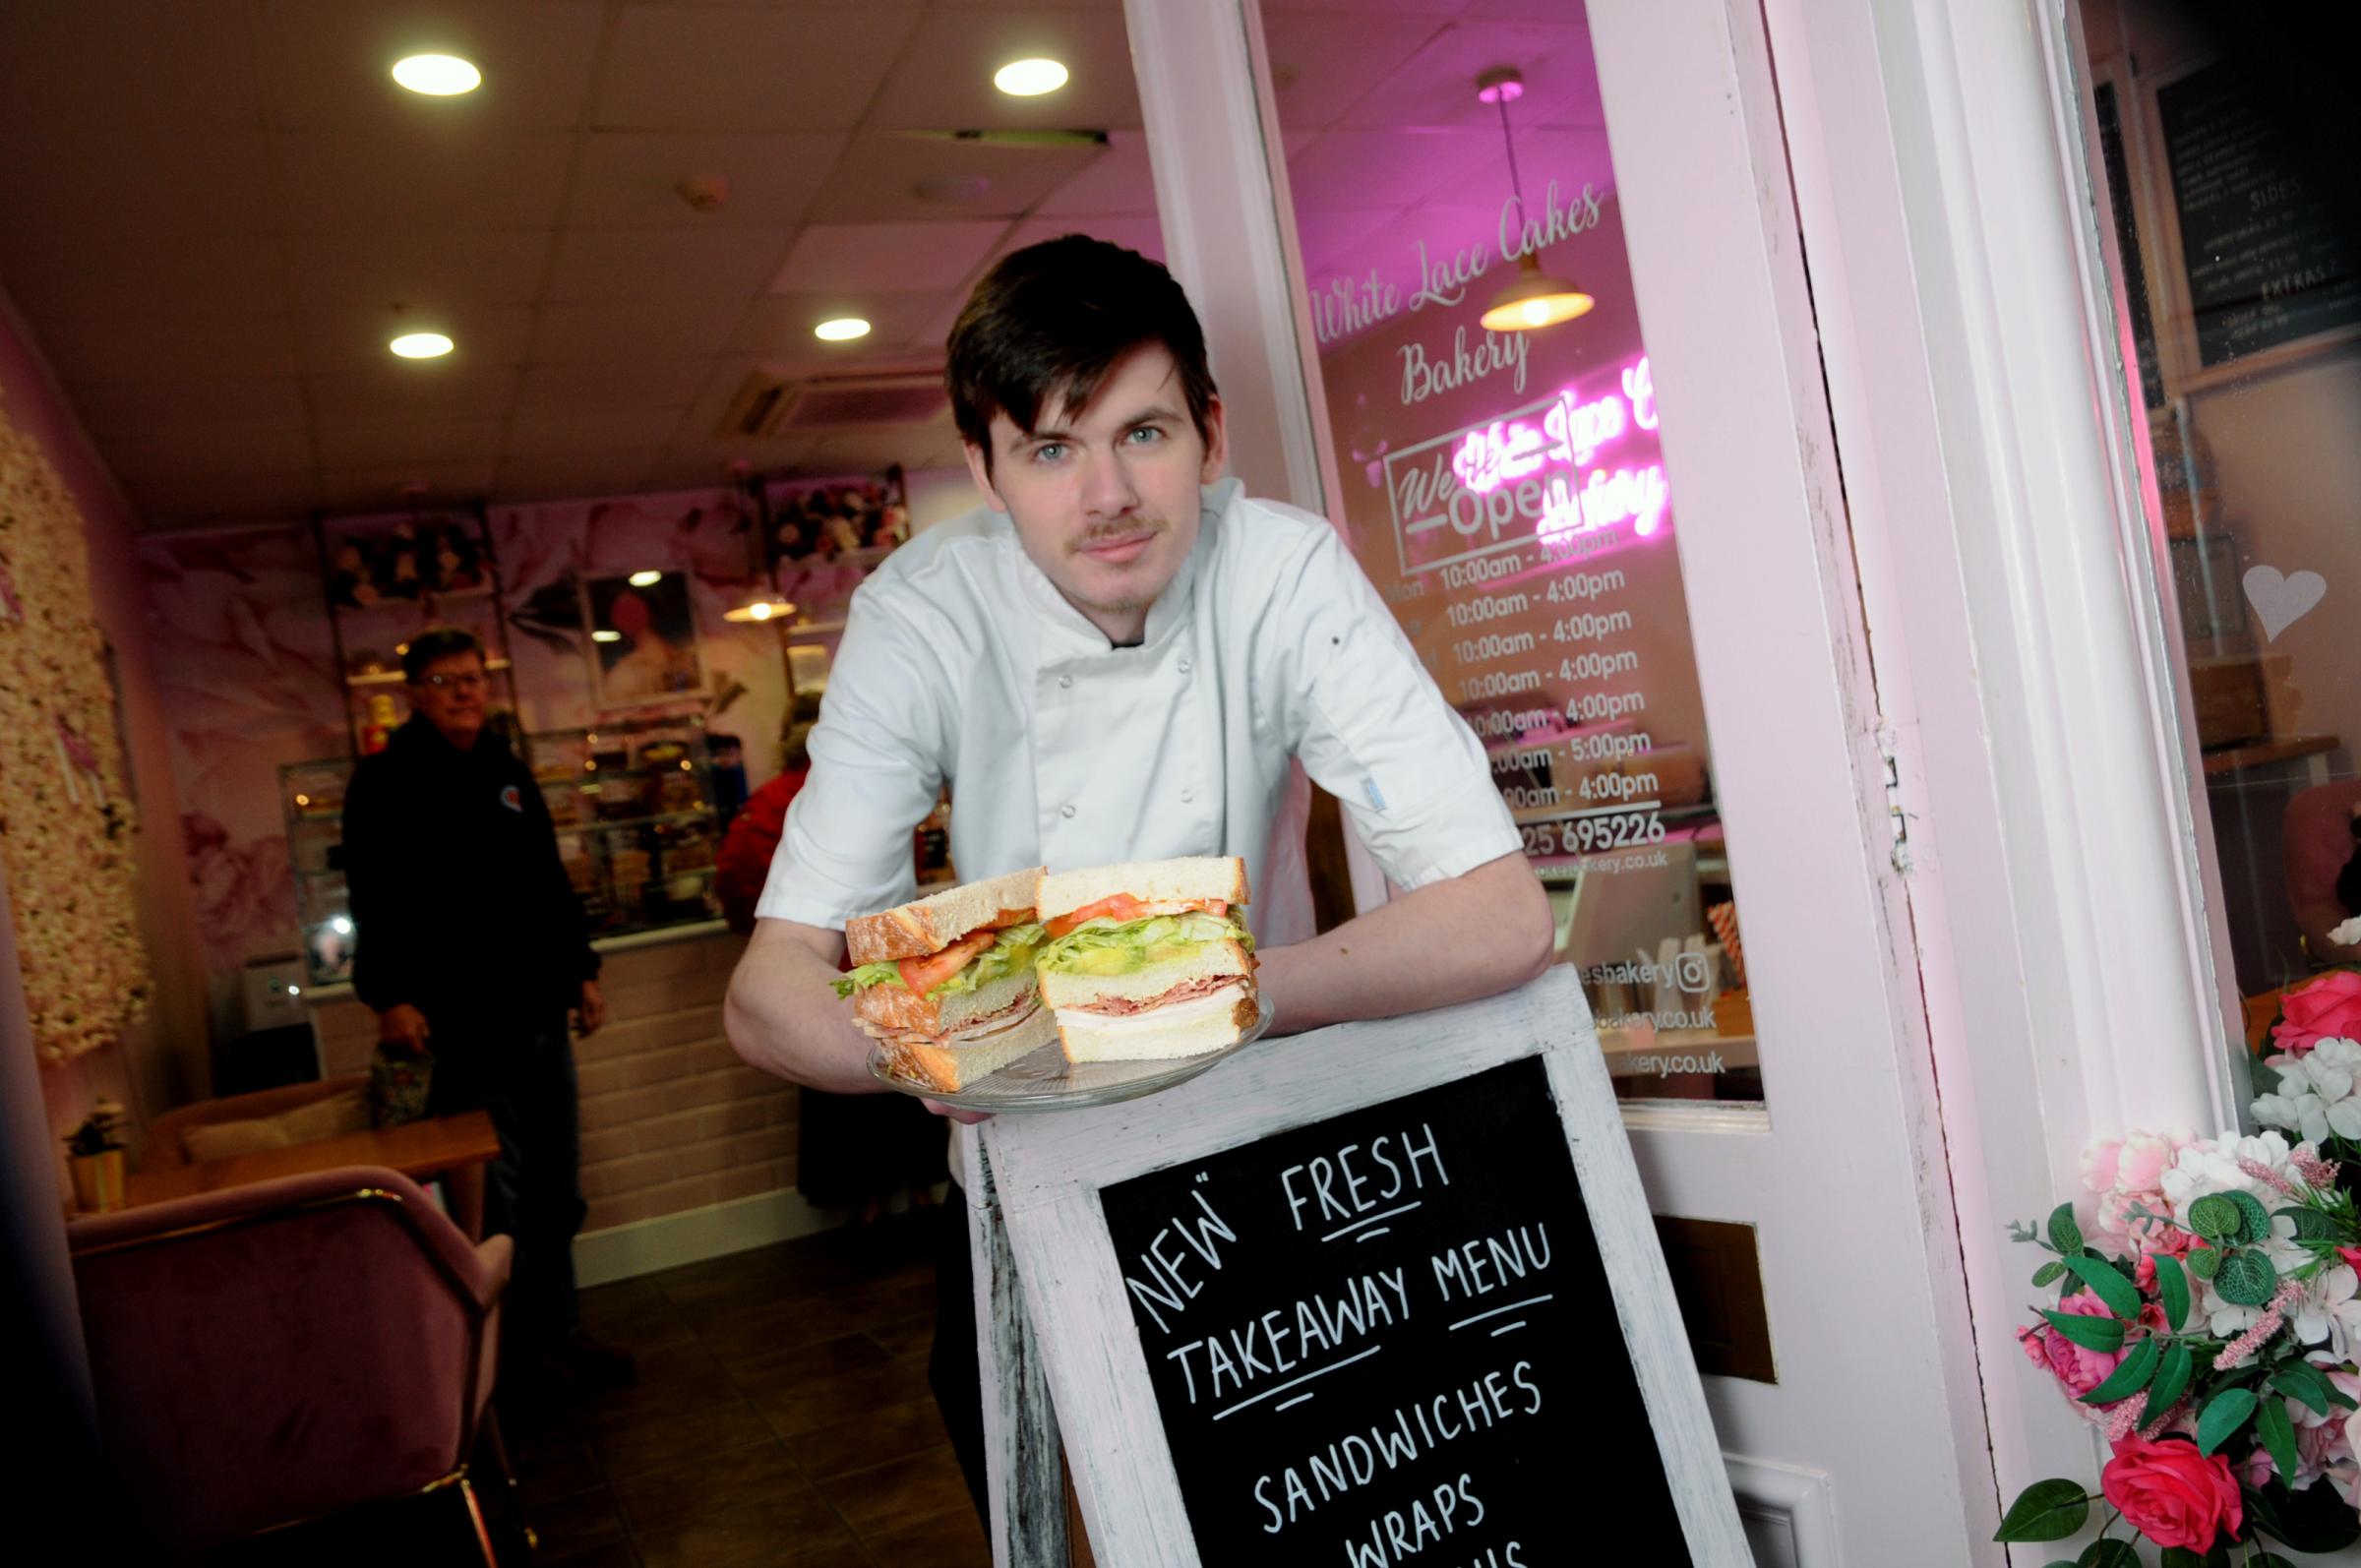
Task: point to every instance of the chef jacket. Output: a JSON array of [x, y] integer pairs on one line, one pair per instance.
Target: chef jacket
[[962, 663]]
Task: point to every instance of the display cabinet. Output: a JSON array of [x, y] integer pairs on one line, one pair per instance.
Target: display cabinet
[[637, 825], [312, 797]]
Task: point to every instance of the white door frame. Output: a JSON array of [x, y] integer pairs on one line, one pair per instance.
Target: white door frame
[[1854, 1113]]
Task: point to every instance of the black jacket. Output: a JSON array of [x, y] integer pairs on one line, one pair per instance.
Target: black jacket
[[460, 902]]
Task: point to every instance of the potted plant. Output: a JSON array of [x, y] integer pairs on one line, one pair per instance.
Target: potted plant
[[95, 1153]]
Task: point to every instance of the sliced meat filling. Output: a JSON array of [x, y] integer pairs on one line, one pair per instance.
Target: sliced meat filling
[[974, 1031], [1188, 991]]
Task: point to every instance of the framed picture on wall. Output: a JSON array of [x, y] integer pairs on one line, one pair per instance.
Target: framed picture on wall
[[642, 639]]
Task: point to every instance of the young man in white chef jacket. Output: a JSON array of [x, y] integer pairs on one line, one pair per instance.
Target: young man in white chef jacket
[[1116, 660]]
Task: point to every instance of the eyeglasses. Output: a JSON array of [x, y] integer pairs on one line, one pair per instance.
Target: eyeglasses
[[457, 682]]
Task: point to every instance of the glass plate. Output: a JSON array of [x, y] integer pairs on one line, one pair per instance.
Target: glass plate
[[1044, 1081]]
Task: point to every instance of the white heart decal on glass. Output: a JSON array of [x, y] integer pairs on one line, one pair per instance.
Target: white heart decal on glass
[[2283, 601]]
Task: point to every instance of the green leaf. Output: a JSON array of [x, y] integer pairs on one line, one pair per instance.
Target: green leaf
[[2107, 1554], [2268, 1559], [2254, 1219], [2301, 1382], [2090, 1333], [2049, 1274], [2277, 1433], [2064, 1234], [2131, 1376], [2172, 1381], [2246, 1279], [2313, 1520], [2119, 1295], [2181, 1558], [2310, 1223], [2172, 1287], [2047, 1510], [2221, 1417], [2204, 1262], [2215, 1218]]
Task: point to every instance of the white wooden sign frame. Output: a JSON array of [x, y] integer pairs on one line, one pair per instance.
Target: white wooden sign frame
[[1036, 1211]]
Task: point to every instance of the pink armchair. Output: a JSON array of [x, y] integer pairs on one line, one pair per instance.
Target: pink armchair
[[277, 1353], [2317, 840]]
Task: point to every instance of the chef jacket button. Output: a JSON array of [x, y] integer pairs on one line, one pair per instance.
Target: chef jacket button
[[1183, 666], [1188, 792], [1065, 811], [1064, 681]]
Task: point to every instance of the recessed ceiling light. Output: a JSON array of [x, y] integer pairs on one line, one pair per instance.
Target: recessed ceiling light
[[1029, 78], [438, 76], [843, 329], [421, 345], [647, 579], [602, 635]]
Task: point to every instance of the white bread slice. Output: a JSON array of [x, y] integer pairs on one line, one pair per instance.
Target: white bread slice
[[934, 922], [1151, 882], [953, 1069], [899, 1007], [1205, 960], [1185, 1029]]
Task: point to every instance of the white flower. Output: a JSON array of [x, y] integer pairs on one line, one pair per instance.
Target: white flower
[[2347, 935], [2317, 1093]]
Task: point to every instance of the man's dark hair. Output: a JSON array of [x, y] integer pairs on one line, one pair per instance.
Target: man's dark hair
[[1052, 320], [433, 645]]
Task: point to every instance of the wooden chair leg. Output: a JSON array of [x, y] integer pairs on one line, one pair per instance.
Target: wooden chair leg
[[499, 1446], [475, 1517]]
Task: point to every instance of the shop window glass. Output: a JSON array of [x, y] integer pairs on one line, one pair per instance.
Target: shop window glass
[[1503, 485], [2228, 182]]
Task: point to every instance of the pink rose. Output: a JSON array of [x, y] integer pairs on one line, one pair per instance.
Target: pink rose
[[2351, 1255], [2103, 1158], [2329, 1008], [2171, 1493], [2141, 1166], [2079, 1367]]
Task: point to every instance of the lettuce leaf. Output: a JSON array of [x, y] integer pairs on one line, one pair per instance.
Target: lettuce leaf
[[1011, 952], [1105, 947]]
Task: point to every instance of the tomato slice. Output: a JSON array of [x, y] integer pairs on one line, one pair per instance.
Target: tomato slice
[[1120, 908], [923, 975]]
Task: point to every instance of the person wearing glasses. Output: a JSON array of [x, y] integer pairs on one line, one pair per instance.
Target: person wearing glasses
[[471, 947]]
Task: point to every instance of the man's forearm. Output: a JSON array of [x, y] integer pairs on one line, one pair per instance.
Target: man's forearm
[[1473, 936], [784, 1017]]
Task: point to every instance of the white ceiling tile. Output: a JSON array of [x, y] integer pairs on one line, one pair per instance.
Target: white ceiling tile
[[355, 337], [414, 389], [1361, 168], [1331, 234], [651, 328], [553, 435], [690, 69], [388, 486], [1117, 180], [226, 499], [215, 273], [124, 181], [943, 79], [137, 408], [606, 473], [709, 464], [1437, 86], [869, 451], [112, 63], [878, 177], [617, 383], [632, 263], [779, 325], [379, 267], [1407, 8], [1142, 234], [632, 178], [885, 257], [397, 443], [135, 348], [229, 446], [1322, 64], [332, 65], [422, 177]]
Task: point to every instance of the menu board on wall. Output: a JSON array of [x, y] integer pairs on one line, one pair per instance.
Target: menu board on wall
[[2269, 257], [2133, 260]]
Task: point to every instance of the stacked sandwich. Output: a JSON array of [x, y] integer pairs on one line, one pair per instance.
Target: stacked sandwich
[[945, 985], [1145, 961], [1121, 963]]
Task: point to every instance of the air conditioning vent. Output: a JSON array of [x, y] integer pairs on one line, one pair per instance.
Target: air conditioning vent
[[770, 404]]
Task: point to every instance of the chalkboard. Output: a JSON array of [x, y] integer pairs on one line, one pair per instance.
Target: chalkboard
[[1387, 1294], [1387, 1334], [2127, 241], [2269, 257]]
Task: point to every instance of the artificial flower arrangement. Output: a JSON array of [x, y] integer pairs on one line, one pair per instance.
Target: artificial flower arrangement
[[2211, 1327]]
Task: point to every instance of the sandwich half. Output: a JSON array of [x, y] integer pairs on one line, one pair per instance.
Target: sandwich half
[[946, 985], [1145, 960]]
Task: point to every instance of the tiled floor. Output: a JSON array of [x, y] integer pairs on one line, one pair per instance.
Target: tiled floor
[[782, 1417]]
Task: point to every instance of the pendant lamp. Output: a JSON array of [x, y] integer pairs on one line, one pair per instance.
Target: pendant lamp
[[1536, 299]]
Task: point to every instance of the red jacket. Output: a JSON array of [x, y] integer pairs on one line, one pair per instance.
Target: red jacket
[[742, 863]]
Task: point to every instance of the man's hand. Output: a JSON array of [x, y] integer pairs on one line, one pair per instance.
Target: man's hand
[[965, 1119], [404, 1026], [1473, 936], [592, 1011], [784, 1016]]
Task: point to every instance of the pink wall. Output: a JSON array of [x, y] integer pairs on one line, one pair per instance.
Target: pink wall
[[161, 1059]]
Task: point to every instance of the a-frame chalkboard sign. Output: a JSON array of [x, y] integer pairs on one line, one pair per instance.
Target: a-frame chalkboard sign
[[1384, 1296]]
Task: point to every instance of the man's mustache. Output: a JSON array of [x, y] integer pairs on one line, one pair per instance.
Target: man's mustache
[[1099, 533]]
